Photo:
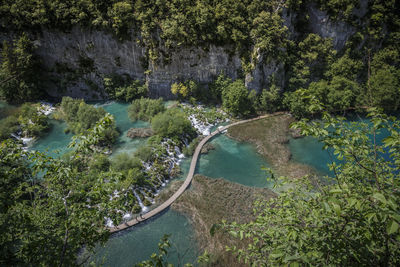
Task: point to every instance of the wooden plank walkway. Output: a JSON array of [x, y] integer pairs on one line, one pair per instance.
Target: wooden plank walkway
[[188, 179]]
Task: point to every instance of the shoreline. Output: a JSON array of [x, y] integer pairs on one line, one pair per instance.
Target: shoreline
[[270, 136], [208, 202]]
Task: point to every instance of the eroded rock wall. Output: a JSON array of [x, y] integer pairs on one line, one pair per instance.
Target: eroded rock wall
[[77, 61]]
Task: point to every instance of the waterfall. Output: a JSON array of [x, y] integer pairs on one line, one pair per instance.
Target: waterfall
[[109, 222], [143, 207], [147, 197]]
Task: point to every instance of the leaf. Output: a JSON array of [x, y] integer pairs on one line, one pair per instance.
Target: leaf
[[392, 227], [380, 197], [336, 208], [336, 191]]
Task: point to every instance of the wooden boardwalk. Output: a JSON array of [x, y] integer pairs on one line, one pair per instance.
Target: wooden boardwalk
[[188, 179]]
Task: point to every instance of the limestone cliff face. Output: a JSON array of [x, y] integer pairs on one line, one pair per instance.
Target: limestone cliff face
[[87, 56], [77, 61], [196, 64], [81, 58]]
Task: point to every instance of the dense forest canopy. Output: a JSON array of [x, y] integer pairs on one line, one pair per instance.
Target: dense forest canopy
[[364, 72]]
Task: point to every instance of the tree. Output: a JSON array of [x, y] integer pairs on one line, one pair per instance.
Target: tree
[[132, 91], [351, 219], [269, 35], [384, 88], [235, 99], [145, 109], [180, 90], [270, 100], [173, 124], [122, 17], [218, 86], [80, 117], [19, 71], [51, 208], [33, 123], [314, 56]]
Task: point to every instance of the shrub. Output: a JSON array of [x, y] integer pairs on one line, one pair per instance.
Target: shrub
[[145, 108], [173, 124]]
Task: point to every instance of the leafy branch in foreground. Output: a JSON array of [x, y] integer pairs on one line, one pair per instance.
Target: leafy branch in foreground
[[350, 219], [52, 208]]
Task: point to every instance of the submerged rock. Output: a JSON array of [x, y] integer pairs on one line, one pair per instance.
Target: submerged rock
[[207, 148], [139, 132]]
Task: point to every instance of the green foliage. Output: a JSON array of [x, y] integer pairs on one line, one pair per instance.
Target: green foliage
[[27, 119], [145, 109], [383, 86], [124, 89], [122, 17], [19, 71], [353, 219], [190, 90], [270, 100], [99, 163], [314, 56], [298, 102], [8, 126], [189, 150], [339, 9], [180, 90], [269, 35], [144, 153], [235, 99], [124, 162], [135, 90], [46, 221], [32, 122], [218, 86], [80, 117], [345, 67], [173, 124]]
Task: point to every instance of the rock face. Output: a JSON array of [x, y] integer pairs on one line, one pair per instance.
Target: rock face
[[77, 61], [197, 64], [321, 24], [87, 57], [139, 132]]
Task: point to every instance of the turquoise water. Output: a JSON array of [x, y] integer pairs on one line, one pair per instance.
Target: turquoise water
[[56, 139], [125, 144], [138, 243], [309, 151], [234, 161]]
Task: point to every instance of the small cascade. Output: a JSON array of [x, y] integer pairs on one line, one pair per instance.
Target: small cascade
[[127, 216], [179, 153], [109, 222], [161, 181], [46, 108], [143, 207], [147, 197]]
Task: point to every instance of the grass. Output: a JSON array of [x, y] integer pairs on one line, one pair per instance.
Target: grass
[[208, 202], [271, 136]]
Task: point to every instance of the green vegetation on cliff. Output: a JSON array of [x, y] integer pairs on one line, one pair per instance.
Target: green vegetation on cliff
[[365, 72]]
